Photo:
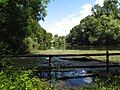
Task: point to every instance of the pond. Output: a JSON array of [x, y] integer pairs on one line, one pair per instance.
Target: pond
[[67, 77], [72, 79]]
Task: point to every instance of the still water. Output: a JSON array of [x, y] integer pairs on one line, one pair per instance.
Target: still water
[[57, 76], [70, 77], [75, 81]]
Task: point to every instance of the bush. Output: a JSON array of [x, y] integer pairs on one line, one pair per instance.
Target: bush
[[17, 79]]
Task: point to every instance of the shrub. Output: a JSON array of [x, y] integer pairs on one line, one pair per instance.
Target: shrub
[[18, 79]]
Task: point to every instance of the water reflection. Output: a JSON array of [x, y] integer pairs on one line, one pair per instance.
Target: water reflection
[[69, 82], [72, 75], [60, 73], [79, 81], [88, 79]]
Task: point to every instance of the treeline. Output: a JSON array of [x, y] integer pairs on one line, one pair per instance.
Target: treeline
[[19, 28], [100, 28], [58, 42]]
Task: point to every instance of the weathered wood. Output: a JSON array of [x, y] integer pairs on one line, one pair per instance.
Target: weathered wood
[[50, 61], [107, 61], [107, 54], [82, 76], [64, 55], [66, 67], [73, 77], [50, 66]]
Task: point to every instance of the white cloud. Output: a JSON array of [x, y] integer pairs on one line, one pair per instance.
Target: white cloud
[[64, 26], [100, 2], [86, 10]]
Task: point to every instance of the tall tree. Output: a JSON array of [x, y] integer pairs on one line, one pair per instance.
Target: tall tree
[[15, 18], [110, 14], [100, 28]]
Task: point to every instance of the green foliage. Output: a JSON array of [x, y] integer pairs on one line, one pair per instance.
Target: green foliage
[[31, 44], [59, 42], [37, 36], [18, 21], [20, 80], [48, 40], [100, 28], [16, 79], [3, 2]]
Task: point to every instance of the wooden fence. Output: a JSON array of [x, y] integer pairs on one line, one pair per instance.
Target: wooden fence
[[107, 66], [107, 54]]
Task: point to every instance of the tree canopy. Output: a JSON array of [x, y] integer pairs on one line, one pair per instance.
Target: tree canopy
[[19, 25], [100, 28]]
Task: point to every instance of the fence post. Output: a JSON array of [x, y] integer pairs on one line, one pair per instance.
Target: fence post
[[107, 61], [50, 67], [50, 61]]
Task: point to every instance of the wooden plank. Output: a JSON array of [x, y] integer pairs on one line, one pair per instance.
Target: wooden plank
[[107, 61], [64, 55], [72, 77], [112, 54], [75, 77], [66, 67], [50, 66], [98, 66], [50, 61]]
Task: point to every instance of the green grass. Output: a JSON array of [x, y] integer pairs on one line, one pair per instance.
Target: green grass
[[72, 51], [111, 58]]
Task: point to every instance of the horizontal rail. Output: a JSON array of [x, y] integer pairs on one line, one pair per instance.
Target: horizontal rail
[[99, 66], [82, 76], [85, 75], [73, 77], [66, 67], [58, 55]]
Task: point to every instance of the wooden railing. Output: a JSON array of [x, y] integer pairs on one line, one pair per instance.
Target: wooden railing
[[107, 54], [107, 66]]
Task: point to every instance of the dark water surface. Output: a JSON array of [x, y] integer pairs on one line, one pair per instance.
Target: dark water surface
[[75, 80], [57, 75], [72, 74]]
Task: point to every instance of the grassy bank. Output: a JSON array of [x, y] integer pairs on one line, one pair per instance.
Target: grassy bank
[[72, 51]]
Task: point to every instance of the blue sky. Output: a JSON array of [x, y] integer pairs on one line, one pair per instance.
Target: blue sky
[[63, 15]]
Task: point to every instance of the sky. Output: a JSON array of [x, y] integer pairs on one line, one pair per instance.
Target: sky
[[63, 15]]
